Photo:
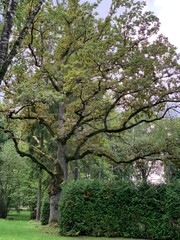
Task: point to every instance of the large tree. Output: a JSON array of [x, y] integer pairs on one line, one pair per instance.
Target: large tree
[[84, 78]]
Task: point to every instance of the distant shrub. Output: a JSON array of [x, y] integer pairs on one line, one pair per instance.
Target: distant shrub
[[120, 210], [45, 210]]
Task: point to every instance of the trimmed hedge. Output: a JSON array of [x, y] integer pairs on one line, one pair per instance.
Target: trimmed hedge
[[120, 210], [45, 210]]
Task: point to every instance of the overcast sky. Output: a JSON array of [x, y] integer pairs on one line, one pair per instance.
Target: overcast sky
[[168, 11]]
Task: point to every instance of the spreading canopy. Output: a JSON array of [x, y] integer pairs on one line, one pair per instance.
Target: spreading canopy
[[83, 77]]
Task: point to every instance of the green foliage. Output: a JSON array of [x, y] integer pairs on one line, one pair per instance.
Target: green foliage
[[18, 185], [45, 210], [120, 209]]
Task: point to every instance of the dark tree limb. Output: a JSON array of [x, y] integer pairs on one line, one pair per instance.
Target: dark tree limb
[[77, 154], [5, 57], [111, 158], [25, 154]]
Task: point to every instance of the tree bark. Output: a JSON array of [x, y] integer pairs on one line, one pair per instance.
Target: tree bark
[[61, 152], [54, 196], [54, 201], [55, 192], [4, 201], [76, 171], [62, 159], [38, 207], [60, 168], [3, 209]]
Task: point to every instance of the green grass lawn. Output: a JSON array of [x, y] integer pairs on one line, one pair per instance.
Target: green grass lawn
[[14, 228]]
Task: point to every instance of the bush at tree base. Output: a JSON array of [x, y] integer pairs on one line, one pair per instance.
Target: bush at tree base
[[120, 210], [45, 210]]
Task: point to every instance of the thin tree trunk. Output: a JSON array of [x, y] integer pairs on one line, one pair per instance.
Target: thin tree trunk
[[39, 194], [76, 171], [3, 209]]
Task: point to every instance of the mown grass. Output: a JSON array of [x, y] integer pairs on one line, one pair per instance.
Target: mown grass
[[18, 227], [22, 215]]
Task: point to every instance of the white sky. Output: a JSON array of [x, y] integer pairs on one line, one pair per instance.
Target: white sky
[[168, 11]]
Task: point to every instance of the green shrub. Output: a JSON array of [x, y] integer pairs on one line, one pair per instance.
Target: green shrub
[[45, 210], [120, 210]]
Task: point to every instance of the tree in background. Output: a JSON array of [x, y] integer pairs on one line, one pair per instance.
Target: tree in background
[[83, 77], [161, 138], [16, 188], [171, 153]]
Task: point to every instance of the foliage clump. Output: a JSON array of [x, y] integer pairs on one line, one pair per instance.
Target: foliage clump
[[45, 211], [120, 209]]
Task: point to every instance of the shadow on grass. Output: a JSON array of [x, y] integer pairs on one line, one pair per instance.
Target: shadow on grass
[[23, 215]]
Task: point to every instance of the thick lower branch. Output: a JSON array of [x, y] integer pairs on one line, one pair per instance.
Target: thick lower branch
[[77, 153], [111, 158], [25, 154]]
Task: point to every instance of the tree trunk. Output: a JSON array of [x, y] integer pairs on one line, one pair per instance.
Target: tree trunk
[[38, 207], [62, 143], [55, 186], [3, 210], [76, 171], [55, 193], [54, 201], [62, 160], [60, 168]]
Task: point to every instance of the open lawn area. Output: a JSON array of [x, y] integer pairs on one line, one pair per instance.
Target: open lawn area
[[14, 228]]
